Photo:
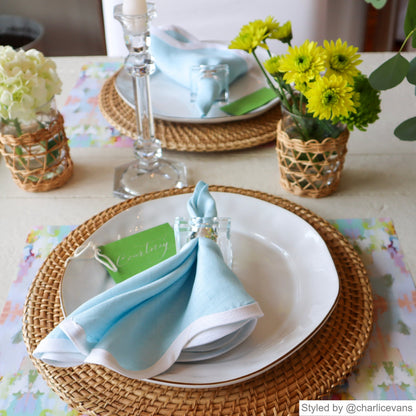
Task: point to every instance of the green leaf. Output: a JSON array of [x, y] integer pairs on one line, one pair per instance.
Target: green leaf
[[390, 73], [410, 20], [411, 74], [406, 130], [53, 155], [378, 4]]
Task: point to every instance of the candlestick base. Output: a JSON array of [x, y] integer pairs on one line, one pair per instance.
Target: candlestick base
[[150, 172], [135, 179]]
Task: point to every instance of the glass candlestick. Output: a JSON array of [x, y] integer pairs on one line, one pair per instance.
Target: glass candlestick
[[150, 171]]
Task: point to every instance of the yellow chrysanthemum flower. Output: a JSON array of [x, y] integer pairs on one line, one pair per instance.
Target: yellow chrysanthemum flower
[[251, 36], [330, 97], [302, 64], [271, 24], [243, 42], [341, 59], [272, 65], [283, 33], [302, 86]]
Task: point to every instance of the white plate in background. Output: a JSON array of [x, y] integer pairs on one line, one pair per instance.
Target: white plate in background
[[171, 101]]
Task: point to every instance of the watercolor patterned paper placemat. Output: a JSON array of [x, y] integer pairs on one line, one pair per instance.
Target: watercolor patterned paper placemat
[[85, 126], [387, 370]]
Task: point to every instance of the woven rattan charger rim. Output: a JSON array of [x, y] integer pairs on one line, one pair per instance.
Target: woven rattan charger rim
[[191, 137], [310, 373]]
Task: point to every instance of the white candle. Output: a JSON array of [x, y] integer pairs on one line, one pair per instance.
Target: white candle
[[134, 7]]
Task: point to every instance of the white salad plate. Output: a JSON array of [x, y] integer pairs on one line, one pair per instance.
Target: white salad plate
[[281, 260], [171, 101]]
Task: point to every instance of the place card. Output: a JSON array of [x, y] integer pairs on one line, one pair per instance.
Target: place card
[[249, 102], [139, 251]]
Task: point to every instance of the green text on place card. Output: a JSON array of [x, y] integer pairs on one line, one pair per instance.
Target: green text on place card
[[140, 251]]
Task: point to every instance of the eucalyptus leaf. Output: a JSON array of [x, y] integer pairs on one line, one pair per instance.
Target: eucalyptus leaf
[[378, 4], [411, 74], [390, 74], [410, 20], [406, 130]]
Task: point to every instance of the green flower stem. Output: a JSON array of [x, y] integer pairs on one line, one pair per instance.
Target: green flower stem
[[331, 129], [282, 85], [407, 38], [264, 72], [279, 91], [302, 129], [301, 102], [18, 127], [294, 104]]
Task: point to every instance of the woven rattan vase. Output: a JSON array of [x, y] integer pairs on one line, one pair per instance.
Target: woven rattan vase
[[310, 168], [39, 159]]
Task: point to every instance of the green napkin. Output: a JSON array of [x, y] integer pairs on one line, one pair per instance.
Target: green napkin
[[249, 102]]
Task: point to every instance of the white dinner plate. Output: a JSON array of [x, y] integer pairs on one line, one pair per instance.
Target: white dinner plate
[[171, 101], [281, 260]]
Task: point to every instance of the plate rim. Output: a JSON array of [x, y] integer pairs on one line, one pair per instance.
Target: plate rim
[[255, 373], [157, 379]]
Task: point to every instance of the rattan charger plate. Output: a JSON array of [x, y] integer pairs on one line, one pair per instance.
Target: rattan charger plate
[[191, 137], [310, 373]]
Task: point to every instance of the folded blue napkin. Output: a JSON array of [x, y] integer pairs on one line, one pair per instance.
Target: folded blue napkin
[[189, 307], [176, 51]]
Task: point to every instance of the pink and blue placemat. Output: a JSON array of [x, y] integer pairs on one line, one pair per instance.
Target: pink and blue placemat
[[387, 370]]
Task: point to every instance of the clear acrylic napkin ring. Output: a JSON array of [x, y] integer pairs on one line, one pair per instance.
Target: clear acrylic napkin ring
[[214, 228], [219, 72]]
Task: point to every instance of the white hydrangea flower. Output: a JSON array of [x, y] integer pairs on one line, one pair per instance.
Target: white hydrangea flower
[[28, 81]]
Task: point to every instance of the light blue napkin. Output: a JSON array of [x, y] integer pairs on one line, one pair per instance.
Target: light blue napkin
[[175, 52], [189, 307], [202, 204]]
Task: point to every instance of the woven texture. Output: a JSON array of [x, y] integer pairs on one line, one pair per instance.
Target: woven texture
[[310, 373], [310, 168], [39, 161], [191, 137]]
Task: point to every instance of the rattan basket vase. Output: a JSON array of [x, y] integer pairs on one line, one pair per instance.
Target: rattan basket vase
[[38, 161], [310, 168]]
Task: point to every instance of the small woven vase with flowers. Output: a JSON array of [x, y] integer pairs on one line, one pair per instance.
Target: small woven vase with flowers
[[323, 96], [32, 135]]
